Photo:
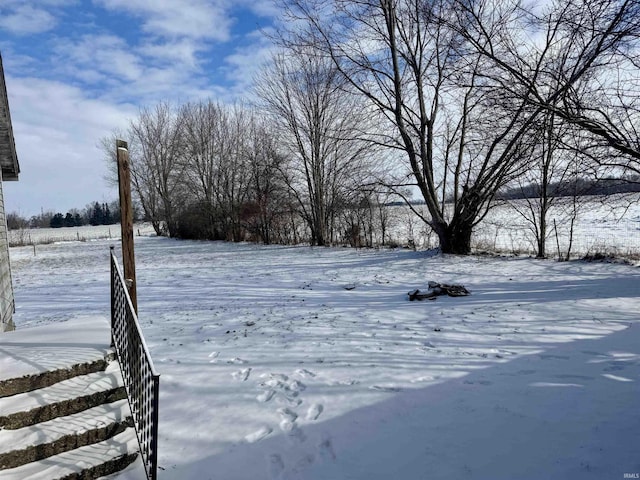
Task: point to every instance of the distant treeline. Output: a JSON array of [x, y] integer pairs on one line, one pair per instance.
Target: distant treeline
[[580, 187], [95, 213]]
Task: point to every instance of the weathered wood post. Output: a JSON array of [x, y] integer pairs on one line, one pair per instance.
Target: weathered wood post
[[126, 220]]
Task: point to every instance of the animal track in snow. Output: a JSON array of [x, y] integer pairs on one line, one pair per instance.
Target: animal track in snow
[[314, 411], [258, 434], [242, 375]]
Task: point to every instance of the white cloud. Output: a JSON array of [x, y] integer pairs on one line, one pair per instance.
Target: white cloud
[[188, 18], [56, 128], [244, 63], [183, 52], [107, 54], [25, 19]]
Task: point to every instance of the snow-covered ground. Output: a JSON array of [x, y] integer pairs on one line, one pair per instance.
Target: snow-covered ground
[[602, 226], [310, 363], [38, 236]]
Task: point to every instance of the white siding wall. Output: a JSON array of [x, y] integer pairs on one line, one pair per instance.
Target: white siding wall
[[6, 290]]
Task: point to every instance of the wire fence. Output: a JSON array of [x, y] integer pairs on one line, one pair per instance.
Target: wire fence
[[591, 227]]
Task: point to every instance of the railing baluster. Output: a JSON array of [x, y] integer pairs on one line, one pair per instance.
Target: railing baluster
[[140, 378]]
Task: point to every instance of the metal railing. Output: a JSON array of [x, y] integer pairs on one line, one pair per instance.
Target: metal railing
[[140, 378]]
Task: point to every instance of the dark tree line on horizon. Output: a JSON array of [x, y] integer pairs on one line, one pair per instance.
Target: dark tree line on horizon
[[95, 213], [448, 102]]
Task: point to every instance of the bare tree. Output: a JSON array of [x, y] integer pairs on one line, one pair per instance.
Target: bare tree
[[203, 138], [551, 170], [304, 96], [268, 202], [463, 136], [155, 164], [580, 60]]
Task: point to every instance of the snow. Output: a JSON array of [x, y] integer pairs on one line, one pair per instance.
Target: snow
[[83, 340], [311, 363]]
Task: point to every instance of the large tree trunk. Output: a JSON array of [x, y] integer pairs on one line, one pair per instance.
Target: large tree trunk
[[455, 237]]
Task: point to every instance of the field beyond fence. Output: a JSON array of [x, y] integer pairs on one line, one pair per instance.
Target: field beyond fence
[[41, 236], [594, 227]]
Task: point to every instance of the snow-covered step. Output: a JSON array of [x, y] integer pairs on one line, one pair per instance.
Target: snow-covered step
[[134, 471], [29, 444], [63, 398], [36, 357], [27, 383], [87, 462]]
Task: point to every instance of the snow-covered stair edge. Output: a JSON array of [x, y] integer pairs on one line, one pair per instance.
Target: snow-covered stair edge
[[133, 471], [27, 383], [46, 439], [86, 462], [63, 398]]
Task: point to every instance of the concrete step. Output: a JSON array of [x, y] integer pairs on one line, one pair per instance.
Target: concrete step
[[134, 471], [29, 444], [83, 463], [58, 350], [63, 398], [28, 383]]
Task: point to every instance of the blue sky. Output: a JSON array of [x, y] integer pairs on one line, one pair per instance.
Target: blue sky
[[78, 69]]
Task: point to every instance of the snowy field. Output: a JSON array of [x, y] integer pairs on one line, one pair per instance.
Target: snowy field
[[310, 363], [39, 236], [608, 226]]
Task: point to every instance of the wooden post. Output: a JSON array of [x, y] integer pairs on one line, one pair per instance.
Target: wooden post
[[126, 220]]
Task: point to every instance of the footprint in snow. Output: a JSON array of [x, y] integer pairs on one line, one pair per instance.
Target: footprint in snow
[[314, 411], [273, 383], [214, 357], [295, 433], [479, 382], [382, 388], [553, 357], [304, 373], [325, 450], [296, 386], [287, 414], [291, 401], [266, 396], [345, 383], [275, 466], [242, 375], [288, 418], [258, 435], [237, 360]]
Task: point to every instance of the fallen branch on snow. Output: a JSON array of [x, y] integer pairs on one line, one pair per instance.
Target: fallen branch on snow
[[437, 289]]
